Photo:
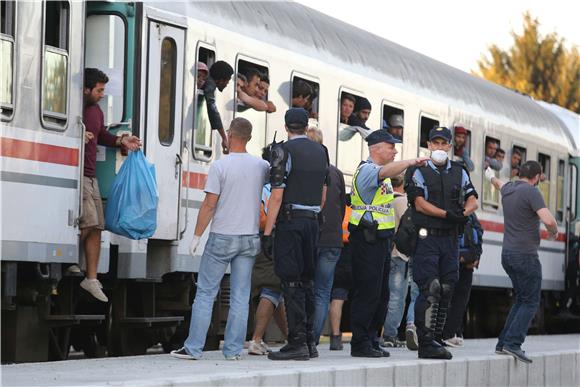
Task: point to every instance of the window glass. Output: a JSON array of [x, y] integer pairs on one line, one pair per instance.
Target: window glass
[[167, 91], [55, 82], [573, 191], [251, 72], [560, 191], [350, 141], [490, 196], [426, 125], [105, 50], [544, 184], [394, 121], [7, 17], [7, 54], [305, 95], [56, 30], [202, 136]]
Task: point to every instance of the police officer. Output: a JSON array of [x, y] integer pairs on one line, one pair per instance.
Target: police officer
[[442, 196], [299, 169], [371, 226]]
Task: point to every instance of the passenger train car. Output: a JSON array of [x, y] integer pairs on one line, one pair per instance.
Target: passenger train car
[[149, 51]]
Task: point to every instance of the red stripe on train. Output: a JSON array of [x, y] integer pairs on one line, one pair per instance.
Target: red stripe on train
[[498, 227], [193, 180], [28, 150]]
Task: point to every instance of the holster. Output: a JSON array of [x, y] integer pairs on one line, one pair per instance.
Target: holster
[[369, 230]]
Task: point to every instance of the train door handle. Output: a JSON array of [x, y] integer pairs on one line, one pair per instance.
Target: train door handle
[[178, 163]]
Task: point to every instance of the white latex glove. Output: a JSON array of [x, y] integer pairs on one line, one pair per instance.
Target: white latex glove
[[194, 245], [489, 173]]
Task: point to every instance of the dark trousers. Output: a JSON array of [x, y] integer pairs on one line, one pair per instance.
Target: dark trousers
[[459, 301], [294, 263], [370, 273], [525, 271], [436, 257]]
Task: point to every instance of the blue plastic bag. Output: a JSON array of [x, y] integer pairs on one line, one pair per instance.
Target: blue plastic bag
[[132, 202]]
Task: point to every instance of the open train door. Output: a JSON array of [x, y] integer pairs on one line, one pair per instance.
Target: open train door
[[163, 117]]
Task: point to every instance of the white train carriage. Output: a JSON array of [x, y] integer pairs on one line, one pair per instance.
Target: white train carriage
[[150, 50]]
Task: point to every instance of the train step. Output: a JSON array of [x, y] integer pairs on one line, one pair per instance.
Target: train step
[[148, 322], [63, 320]]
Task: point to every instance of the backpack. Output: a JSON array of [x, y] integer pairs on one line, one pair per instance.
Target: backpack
[[405, 238], [470, 243]]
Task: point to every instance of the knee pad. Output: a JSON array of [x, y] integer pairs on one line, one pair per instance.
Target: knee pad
[[432, 290]]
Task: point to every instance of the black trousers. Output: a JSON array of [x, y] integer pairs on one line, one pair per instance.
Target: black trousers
[[459, 301], [371, 263]]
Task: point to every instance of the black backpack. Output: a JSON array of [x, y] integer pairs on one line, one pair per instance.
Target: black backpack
[[471, 242], [405, 238]]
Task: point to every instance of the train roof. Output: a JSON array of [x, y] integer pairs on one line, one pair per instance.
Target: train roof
[[570, 119], [304, 30]]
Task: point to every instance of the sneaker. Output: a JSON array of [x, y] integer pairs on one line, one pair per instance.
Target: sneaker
[[181, 354], [233, 357], [94, 287], [454, 342], [74, 269], [499, 350], [390, 342], [258, 349], [518, 354], [412, 340]]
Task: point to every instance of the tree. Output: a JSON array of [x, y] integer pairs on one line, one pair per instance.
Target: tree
[[541, 67]]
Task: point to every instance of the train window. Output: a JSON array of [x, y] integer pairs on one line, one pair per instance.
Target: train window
[[573, 192], [461, 141], [55, 69], [7, 29], [105, 50], [426, 125], [350, 141], [560, 191], [251, 72], [305, 95], [202, 135], [490, 198], [544, 184], [518, 157], [394, 120], [167, 91]]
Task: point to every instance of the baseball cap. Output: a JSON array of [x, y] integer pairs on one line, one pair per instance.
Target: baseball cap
[[396, 121], [296, 118], [381, 135], [441, 132], [460, 130], [202, 66]]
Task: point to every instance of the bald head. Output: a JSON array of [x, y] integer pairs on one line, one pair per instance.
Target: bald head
[[241, 128], [315, 135]]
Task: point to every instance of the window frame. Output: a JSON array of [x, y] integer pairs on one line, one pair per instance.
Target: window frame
[[309, 78], [487, 205], [173, 88], [194, 146], [11, 39], [401, 107], [355, 93], [430, 116], [563, 209], [47, 124]]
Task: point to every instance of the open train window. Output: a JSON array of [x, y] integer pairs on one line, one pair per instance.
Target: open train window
[[393, 120], [250, 73], [305, 94], [518, 157], [202, 132], [7, 39], [426, 125], [490, 197], [560, 191], [462, 146], [350, 140], [544, 184], [55, 64], [105, 42], [573, 192]]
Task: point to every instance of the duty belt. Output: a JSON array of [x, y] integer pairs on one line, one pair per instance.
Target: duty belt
[[385, 210]]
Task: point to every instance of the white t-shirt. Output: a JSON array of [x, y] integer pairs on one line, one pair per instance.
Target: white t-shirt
[[238, 179]]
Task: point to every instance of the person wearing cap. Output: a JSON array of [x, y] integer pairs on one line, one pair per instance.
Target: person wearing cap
[[298, 175], [371, 227], [362, 112], [202, 74], [396, 125], [442, 196], [460, 150]]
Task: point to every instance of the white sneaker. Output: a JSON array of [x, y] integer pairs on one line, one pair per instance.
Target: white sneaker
[[234, 357], [454, 342], [75, 269], [94, 287], [259, 349]]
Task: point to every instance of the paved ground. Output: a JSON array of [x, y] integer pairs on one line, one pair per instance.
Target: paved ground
[[331, 368]]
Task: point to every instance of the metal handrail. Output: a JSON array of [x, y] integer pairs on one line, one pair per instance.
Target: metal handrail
[[186, 188]]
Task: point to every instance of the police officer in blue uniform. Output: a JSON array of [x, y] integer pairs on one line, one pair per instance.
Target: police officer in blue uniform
[[442, 196], [299, 169]]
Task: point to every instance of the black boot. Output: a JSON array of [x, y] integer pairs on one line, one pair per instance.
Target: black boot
[[309, 307], [336, 343], [426, 319], [444, 303], [434, 351]]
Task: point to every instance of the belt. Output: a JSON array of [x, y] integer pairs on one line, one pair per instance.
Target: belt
[[287, 214], [439, 231]]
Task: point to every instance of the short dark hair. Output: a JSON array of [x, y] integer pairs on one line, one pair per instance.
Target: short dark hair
[[94, 76], [348, 96], [221, 70], [241, 128], [530, 169], [264, 78], [252, 72], [499, 150], [517, 152], [398, 180], [301, 89]]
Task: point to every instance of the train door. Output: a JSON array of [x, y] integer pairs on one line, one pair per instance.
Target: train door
[[164, 99]]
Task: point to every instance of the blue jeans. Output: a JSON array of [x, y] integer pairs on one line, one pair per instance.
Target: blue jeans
[[525, 272], [221, 250], [323, 277], [414, 295], [398, 285]]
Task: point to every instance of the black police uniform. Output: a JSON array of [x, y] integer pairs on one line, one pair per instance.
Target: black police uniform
[[436, 261], [297, 230]]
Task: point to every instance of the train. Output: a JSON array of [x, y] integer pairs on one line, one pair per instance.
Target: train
[[150, 51]]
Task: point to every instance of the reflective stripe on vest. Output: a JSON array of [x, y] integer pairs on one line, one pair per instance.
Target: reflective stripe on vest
[[380, 208]]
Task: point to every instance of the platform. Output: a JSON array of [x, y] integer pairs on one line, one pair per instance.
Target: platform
[[556, 362]]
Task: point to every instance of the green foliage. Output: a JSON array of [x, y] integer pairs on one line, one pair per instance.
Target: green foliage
[[536, 65]]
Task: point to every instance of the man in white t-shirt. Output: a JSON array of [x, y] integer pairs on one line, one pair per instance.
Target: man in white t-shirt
[[232, 202]]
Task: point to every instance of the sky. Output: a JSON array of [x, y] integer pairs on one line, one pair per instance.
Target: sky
[[454, 32]]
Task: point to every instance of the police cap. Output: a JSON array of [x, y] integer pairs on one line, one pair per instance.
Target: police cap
[[296, 118], [441, 132], [381, 135]]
